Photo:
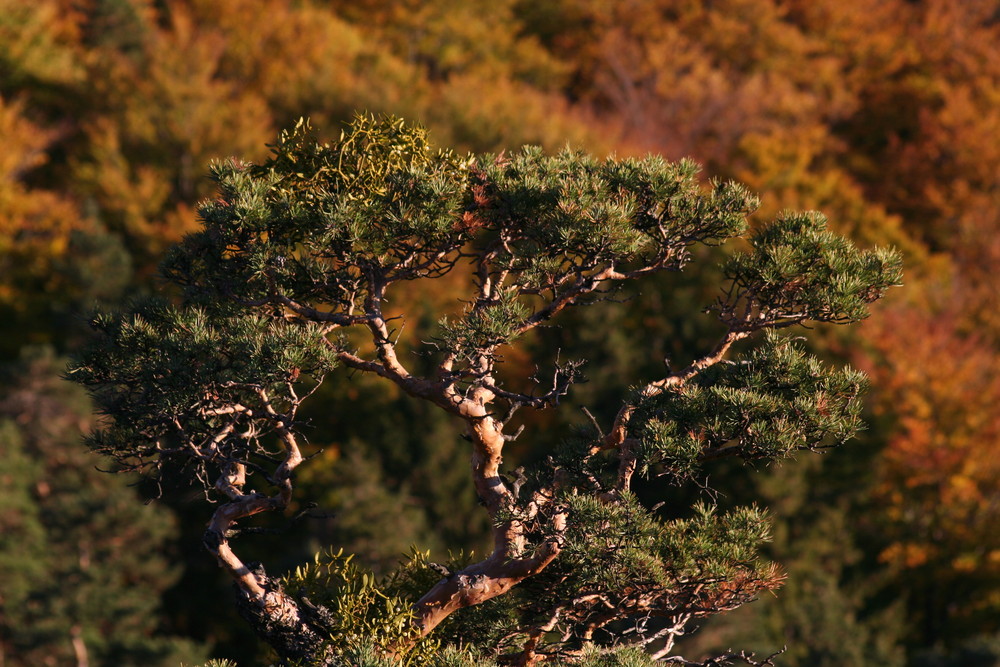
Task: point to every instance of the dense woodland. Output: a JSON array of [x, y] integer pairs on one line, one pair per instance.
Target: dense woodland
[[883, 114]]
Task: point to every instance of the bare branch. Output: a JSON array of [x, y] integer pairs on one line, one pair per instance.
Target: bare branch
[[583, 285], [727, 659], [619, 430], [593, 421], [670, 633], [535, 635], [315, 315]]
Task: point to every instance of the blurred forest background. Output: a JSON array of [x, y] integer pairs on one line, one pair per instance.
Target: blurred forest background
[[883, 114]]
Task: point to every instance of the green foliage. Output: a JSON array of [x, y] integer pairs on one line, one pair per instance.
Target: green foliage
[[621, 554], [484, 328], [777, 401], [321, 228], [23, 533], [365, 614], [174, 379], [571, 209], [316, 218], [827, 612], [612, 547], [618, 657], [362, 614], [797, 270], [380, 184]]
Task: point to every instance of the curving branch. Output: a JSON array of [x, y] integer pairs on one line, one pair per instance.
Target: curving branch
[[619, 430], [489, 578], [506, 566]]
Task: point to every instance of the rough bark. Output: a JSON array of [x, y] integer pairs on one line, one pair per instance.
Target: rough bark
[[288, 626], [502, 570]]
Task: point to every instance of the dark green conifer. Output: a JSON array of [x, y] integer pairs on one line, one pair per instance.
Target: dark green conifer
[[82, 560]]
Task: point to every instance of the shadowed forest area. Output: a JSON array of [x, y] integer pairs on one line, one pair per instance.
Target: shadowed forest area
[[882, 114]]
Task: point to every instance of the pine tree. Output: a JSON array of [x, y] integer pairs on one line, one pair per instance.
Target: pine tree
[[292, 277], [82, 562]]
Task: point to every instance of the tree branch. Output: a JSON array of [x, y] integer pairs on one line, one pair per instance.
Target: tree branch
[[726, 659], [505, 567], [616, 436], [489, 578]]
